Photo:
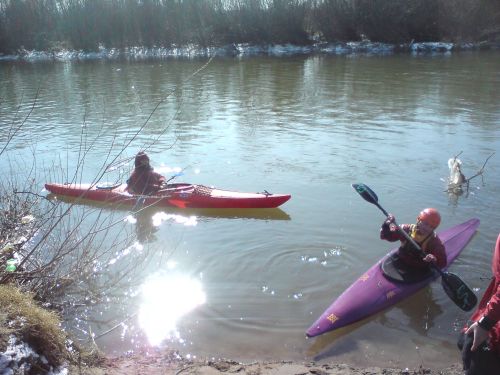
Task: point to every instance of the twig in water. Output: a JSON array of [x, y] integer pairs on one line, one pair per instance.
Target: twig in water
[[480, 172], [454, 187]]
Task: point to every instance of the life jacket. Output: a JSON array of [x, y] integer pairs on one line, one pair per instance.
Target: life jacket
[[409, 254]]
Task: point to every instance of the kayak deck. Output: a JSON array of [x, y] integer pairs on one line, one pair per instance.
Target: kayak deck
[[373, 292], [180, 195]]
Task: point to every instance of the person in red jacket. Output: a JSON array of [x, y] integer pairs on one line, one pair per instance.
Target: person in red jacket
[[143, 179], [480, 339], [423, 234]]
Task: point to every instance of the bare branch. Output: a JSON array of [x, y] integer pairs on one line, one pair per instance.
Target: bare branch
[[13, 131], [480, 172]]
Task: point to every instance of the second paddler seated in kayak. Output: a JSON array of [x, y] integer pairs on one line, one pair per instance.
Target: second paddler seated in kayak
[[407, 264], [144, 180]]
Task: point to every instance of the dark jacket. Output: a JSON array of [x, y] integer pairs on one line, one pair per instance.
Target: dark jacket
[[145, 181], [431, 245]]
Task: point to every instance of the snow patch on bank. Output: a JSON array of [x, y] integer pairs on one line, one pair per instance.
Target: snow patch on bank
[[18, 358], [239, 50]]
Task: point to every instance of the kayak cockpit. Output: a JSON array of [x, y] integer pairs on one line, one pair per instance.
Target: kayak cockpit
[[394, 269]]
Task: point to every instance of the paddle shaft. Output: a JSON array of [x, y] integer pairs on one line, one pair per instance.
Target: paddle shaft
[[180, 173]]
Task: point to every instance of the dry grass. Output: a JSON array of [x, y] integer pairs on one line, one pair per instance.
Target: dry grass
[[22, 317]]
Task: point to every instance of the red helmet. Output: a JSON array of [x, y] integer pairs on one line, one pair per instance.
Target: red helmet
[[141, 160], [430, 216]]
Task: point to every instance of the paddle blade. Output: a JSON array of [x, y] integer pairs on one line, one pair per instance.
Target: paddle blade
[[367, 193], [458, 291]]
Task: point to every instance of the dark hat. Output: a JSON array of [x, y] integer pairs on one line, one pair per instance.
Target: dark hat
[[141, 160]]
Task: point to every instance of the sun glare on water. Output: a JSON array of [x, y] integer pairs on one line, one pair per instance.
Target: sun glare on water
[[165, 300]]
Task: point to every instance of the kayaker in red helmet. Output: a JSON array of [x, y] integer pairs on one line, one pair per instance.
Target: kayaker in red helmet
[[480, 339], [144, 180], [423, 234]]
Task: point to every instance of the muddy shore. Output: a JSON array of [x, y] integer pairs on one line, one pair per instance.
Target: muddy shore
[[158, 362]]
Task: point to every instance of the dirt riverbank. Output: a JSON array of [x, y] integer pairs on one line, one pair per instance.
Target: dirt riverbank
[[168, 362]]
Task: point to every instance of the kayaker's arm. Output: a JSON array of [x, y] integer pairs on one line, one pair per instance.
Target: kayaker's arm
[[158, 181], [437, 250], [481, 329], [491, 298], [390, 232], [491, 315]]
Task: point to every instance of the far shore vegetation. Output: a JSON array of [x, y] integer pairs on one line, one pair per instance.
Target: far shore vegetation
[[87, 25]]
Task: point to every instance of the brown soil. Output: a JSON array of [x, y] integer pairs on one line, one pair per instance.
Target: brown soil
[[168, 362]]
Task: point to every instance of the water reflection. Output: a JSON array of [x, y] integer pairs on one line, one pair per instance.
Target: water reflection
[[454, 196], [335, 343], [166, 299], [147, 223], [421, 311], [144, 228]]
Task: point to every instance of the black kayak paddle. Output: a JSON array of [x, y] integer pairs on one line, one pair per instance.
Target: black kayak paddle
[[453, 285]]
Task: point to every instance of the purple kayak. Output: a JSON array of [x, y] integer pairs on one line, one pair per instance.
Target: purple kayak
[[373, 292]]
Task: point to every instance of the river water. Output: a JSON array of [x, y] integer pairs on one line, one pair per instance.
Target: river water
[[309, 126]]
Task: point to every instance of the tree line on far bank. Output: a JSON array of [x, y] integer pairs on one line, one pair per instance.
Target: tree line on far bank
[[87, 24]]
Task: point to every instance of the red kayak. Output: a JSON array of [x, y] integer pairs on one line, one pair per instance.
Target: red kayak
[[180, 195]]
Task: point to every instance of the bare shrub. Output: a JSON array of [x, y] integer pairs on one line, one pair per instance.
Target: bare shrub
[[335, 20], [469, 20], [60, 253]]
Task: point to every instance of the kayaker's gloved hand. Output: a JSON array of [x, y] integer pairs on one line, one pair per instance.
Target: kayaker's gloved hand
[[389, 222], [429, 258], [388, 229]]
